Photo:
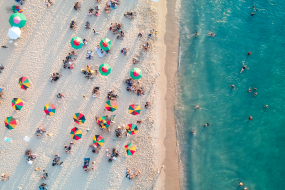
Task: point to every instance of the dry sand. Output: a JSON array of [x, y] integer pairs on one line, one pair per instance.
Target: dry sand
[[44, 43]]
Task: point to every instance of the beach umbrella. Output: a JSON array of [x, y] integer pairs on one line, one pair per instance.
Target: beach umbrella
[[98, 140], [76, 42], [24, 83], [132, 129], [105, 69], [17, 103], [79, 118], [105, 44], [10, 123], [49, 109], [136, 73], [14, 33], [104, 122], [155, 0], [111, 105], [134, 109], [130, 150], [76, 133], [18, 20]]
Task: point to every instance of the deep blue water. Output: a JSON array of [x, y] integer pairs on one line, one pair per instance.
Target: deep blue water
[[232, 149]]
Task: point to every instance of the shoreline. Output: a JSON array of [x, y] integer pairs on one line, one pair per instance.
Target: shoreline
[[169, 54]]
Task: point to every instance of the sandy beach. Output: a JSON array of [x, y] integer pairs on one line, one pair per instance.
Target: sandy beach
[[44, 43]]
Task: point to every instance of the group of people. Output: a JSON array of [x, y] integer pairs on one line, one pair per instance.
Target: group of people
[[95, 149], [132, 87], [40, 131], [96, 91], [68, 147], [88, 72], [92, 12], [56, 160], [112, 156], [111, 95], [68, 62], [111, 5], [31, 157], [131, 174], [4, 176], [54, 77]]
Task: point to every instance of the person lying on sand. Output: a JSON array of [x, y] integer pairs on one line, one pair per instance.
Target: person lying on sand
[[130, 15], [87, 25], [73, 25]]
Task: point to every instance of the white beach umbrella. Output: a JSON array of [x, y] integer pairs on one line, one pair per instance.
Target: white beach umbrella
[[14, 33], [155, 0]]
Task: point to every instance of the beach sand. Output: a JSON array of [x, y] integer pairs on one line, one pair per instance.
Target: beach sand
[[44, 43]]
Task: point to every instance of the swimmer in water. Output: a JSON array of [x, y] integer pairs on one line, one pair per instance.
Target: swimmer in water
[[211, 34], [266, 106], [250, 118], [243, 68], [233, 86], [249, 90], [207, 124], [255, 94], [252, 14], [249, 53], [193, 133], [240, 184], [255, 89], [196, 33], [197, 107]]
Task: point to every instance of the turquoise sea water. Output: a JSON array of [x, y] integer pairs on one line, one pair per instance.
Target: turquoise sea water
[[232, 149]]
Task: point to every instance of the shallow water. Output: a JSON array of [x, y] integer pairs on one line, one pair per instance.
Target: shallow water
[[232, 149]]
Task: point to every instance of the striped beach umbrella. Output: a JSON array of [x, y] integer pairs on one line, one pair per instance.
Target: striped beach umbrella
[[79, 118], [134, 109], [132, 129], [24, 83], [136, 73], [105, 69], [98, 140], [105, 44], [76, 42], [76, 133], [18, 20], [10, 123], [111, 105], [49, 109], [17, 103], [104, 122], [130, 150]]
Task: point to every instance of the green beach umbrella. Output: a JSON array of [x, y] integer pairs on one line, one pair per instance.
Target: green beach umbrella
[[105, 44], [105, 69], [18, 20], [76, 42], [136, 73]]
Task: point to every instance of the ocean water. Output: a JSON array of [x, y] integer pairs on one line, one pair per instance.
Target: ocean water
[[232, 149]]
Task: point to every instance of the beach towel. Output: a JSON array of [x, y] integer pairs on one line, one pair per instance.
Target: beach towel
[[86, 165], [99, 52]]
